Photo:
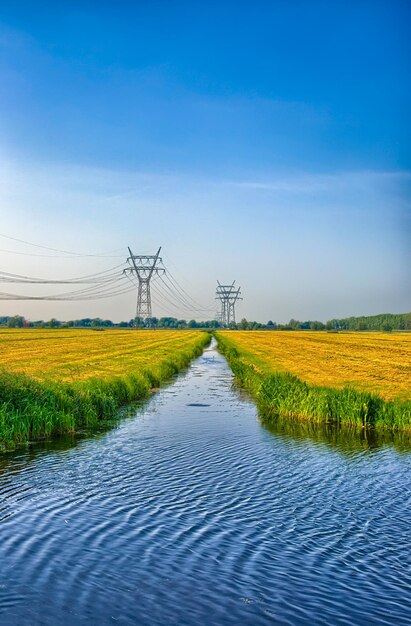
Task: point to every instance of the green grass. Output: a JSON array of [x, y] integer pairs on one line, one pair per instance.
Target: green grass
[[281, 394], [31, 409]]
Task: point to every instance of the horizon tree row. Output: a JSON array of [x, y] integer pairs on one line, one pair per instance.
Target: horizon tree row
[[385, 322]]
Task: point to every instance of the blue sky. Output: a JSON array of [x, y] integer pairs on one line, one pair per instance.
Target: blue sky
[[267, 142]]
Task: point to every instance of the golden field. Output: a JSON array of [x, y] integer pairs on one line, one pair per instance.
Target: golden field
[[375, 362], [62, 381], [68, 355]]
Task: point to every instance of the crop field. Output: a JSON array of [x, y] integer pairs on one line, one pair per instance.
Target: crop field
[[56, 381], [361, 378], [73, 355], [376, 362]]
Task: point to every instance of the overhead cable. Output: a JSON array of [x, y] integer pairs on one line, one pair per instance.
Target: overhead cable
[[75, 254]]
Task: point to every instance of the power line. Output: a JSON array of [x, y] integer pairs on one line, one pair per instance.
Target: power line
[[109, 283], [110, 289], [99, 284], [10, 296], [160, 299], [183, 301], [59, 256], [171, 298], [164, 296], [174, 311], [75, 254], [88, 278], [184, 292]]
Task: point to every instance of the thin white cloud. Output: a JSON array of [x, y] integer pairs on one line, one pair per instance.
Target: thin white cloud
[[311, 183]]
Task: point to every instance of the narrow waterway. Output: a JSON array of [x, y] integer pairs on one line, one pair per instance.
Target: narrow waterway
[[193, 513]]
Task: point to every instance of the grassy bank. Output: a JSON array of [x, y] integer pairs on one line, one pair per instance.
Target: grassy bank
[[60, 391], [284, 394]]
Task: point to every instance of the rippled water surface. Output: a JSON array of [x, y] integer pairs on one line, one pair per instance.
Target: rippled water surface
[[193, 513]]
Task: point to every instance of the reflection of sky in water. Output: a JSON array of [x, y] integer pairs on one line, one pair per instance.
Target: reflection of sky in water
[[192, 512]]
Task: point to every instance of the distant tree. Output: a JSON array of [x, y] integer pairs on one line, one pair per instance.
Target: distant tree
[[243, 325], [86, 322], [15, 322], [96, 322], [316, 325], [254, 325], [137, 322], [398, 321]]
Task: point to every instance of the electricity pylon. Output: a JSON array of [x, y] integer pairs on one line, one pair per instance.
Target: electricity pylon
[[144, 266], [228, 295]]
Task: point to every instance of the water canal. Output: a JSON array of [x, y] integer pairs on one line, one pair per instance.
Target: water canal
[[192, 512]]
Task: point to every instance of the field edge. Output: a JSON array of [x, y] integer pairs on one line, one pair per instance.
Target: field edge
[[282, 394], [31, 410]]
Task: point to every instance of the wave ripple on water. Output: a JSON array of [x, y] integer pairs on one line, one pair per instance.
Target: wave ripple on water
[[193, 513]]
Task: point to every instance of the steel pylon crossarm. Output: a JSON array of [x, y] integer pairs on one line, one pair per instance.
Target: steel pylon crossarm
[[144, 266], [228, 295]]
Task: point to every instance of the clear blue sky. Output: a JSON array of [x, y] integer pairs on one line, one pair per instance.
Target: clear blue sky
[[263, 141]]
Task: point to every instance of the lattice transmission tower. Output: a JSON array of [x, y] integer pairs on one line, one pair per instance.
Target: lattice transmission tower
[[144, 267], [228, 295]]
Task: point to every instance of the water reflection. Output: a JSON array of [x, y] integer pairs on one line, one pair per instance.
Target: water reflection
[[344, 438], [13, 460], [192, 512]]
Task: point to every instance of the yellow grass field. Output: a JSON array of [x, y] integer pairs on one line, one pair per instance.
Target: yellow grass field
[[375, 362], [69, 355], [60, 381]]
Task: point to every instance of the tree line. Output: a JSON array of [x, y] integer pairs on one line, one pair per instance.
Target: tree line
[[385, 322], [18, 321]]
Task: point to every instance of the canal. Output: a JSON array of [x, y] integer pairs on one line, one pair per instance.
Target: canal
[[191, 512]]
